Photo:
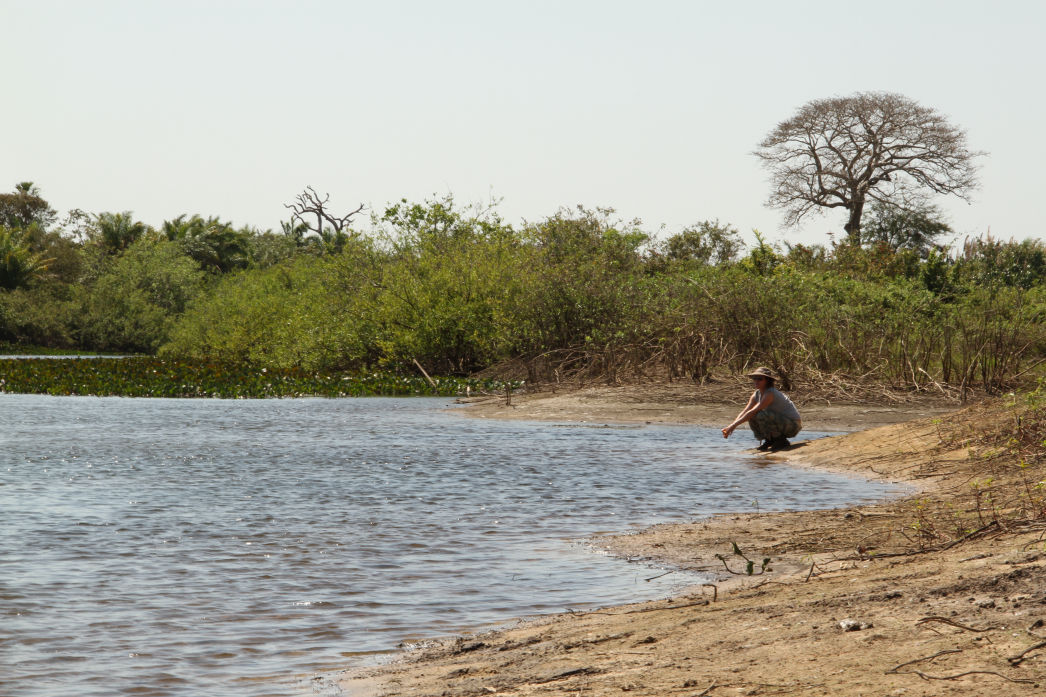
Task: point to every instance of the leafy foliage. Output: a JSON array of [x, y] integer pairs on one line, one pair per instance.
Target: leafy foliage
[[24, 207], [117, 231], [213, 244], [279, 317], [19, 265], [134, 301], [708, 242], [917, 229], [40, 315], [985, 261]]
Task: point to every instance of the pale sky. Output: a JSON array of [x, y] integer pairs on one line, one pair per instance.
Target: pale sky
[[230, 108]]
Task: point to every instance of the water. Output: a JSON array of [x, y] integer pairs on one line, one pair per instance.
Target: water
[[238, 548]]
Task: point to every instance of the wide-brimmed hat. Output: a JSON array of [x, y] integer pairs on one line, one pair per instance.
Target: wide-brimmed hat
[[762, 373]]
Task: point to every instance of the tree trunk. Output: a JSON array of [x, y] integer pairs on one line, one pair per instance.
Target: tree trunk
[[853, 225]]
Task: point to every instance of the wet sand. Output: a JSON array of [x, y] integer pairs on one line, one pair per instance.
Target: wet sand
[[868, 600]]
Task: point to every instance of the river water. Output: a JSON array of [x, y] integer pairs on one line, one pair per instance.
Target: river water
[[244, 548]]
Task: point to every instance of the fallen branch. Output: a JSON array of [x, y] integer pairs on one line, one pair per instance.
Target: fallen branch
[[660, 575], [649, 609], [431, 382], [927, 550], [1016, 660], [566, 674], [925, 658], [924, 676], [706, 691], [945, 620]]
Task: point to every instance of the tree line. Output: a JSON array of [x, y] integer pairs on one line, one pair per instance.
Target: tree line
[[579, 294]]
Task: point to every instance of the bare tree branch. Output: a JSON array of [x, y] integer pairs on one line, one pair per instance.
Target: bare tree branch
[[310, 203]]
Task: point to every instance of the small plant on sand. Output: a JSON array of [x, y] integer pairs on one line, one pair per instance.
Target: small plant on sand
[[749, 564], [984, 500], [924, 526]]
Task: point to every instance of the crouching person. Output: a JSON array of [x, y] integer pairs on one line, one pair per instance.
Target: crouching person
[[771, 415]]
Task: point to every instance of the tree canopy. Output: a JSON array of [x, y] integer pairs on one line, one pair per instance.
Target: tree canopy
[[841, 152], [24, 206]]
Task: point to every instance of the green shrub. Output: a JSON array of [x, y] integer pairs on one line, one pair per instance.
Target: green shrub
[[137, 296], [274, 317], [38, 316]]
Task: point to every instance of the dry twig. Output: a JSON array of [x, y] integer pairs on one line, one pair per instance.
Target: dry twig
[[945, 620], [924, 676], [925, 658], [1019, 658]]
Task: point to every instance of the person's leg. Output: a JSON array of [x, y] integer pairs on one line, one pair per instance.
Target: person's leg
[[785, 428], [762, 424], [774, 429]]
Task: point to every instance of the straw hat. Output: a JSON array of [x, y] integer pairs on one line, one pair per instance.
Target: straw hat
[[762, 373]]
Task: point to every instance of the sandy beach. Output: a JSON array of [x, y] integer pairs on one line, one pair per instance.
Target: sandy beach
[[935, 593]]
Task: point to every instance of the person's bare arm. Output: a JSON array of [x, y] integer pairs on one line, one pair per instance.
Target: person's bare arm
[[752, 408]]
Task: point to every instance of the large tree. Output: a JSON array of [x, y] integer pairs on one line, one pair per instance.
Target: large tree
[[845, 151]]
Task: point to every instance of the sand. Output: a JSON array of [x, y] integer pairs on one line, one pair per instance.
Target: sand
[[883, 599]]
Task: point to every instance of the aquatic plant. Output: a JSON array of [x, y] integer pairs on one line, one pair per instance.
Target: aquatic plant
[[151, 377]]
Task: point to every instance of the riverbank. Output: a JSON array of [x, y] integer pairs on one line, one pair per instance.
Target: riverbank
[[942, 591], [711, 404]]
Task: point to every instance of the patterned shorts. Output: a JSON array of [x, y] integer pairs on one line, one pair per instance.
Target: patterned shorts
[[768, 425]]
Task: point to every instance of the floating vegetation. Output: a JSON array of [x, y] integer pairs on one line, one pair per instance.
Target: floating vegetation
[[10, 350], [152, 377]]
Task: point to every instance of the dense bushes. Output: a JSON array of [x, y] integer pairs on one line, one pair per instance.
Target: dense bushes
[[284, 316], [467, 303], [577, 294], [133, 302], [447, 287]]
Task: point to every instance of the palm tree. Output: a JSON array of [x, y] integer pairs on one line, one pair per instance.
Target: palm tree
[[119, 230], [178, 228], [213, 244], [18, 264]]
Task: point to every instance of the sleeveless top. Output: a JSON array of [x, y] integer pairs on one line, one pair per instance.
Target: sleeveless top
[[781, 404]]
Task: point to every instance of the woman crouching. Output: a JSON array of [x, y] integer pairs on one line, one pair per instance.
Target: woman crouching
[[771, 415]]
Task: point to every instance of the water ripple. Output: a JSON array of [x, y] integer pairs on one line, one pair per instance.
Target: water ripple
[[204, 547]]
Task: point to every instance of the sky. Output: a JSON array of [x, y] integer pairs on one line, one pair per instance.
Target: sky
[[653, 108]]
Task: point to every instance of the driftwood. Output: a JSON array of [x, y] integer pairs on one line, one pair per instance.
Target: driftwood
[[431, 381]]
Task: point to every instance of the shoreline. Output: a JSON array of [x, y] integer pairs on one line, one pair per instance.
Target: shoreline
[[844, 602], [713, 405]]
